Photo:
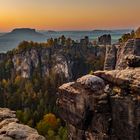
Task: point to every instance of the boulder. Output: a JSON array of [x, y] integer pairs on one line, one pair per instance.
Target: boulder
[[84, 106]]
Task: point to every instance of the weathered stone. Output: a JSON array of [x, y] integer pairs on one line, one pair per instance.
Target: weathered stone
[[92, 82], [3, 137], [100, 114], [133, 61], [7, 121], [110, 59], [132, 47], [127, 49], [123, 56], [128, 79], [10, 129], [104, 40], [6, 113], [83, 105]]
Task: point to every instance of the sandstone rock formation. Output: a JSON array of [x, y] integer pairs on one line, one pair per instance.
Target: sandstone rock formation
[[10, 129], [104, 40], [84, 107], [62, 60], [133, 61], [110, 59], [117, 56], [105, 105], [45, 59]]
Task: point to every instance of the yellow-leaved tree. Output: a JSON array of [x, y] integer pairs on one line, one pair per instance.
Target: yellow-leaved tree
[[49, 122]]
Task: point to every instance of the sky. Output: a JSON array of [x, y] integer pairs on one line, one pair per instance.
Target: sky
[[69, 14]]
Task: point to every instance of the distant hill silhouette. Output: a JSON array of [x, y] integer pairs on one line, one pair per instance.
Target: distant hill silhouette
[[12, 39], [97, 31], [102, 31]]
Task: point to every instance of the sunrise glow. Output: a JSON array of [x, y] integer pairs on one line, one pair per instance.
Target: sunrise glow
[[69, 14]]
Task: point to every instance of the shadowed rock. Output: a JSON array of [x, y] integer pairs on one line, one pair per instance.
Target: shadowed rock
[[104, 39], [133, 61]]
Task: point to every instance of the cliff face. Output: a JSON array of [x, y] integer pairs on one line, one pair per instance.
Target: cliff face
[[111, 56], [27, 62], [62, 60], [132, 47], [105, 105], [105, 39], [44, 60], [116, 56], [10, 129], [102, 106]]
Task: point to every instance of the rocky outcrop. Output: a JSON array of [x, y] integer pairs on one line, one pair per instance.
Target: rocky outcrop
[[44, 60], [126, 50], [104, 40], [110, 59], [128, 80], [60, 60], [131, 47], [133, 61], [118, 57], [105, 105], [10, 129], [27, 61], [123, 54], [83, 105]]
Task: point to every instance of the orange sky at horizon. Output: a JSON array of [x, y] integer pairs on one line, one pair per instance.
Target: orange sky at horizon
[[69, 15]]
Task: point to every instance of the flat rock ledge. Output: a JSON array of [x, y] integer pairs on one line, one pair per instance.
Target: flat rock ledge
[[10, 129]]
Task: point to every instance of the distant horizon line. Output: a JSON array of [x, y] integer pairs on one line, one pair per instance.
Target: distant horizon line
[[71, 30]]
